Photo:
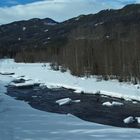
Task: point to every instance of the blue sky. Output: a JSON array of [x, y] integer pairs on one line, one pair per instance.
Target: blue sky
[[59, 10], [9, 3]]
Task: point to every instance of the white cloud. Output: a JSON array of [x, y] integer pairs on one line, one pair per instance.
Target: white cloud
[[57, 9]]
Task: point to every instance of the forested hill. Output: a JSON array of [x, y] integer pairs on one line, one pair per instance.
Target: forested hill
[[106, 43]]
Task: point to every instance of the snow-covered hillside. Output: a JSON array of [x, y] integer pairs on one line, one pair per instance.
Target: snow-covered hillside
[[18, 121]]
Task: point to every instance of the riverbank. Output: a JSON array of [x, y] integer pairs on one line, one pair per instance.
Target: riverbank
[[42, 72], [95, 108], [19, 121]]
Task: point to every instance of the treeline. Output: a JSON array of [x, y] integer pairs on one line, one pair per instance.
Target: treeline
[[112, 51], [105, 44]]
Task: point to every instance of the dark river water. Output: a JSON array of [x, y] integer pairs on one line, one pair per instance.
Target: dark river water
[[89, 108]]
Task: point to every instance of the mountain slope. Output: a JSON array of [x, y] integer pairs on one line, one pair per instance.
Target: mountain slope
[[106, 43]]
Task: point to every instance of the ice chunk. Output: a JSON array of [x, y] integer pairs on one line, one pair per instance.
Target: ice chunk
[[63, 101], [76, 101], [107, 104], [129, 120], [114, 103], [138, 119], [134, 102]]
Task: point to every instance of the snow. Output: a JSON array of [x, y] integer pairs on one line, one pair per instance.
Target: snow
[[46, 30], [19, 38], [107, 104], [64, 101], [76, 101], [138, 119], [27, 83], [34, 96], [77, 18], [52, 24], [129, 120], [134, 102], [100, 23], [18, 121], [23, 28], [107, 36], [6, 73], [114, 103], [78, 90], [87, 85], [21, 77]]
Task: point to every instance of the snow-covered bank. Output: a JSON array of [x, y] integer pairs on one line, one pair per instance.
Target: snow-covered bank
[[18, 121], [52, 79]]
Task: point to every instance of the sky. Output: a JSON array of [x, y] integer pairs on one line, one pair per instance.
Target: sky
[[59, 10]]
